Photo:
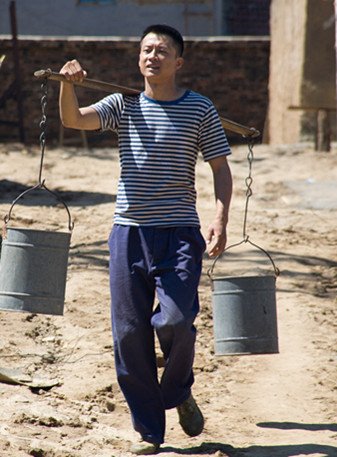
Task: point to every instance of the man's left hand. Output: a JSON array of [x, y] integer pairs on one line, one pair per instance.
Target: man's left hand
[[216, 238]]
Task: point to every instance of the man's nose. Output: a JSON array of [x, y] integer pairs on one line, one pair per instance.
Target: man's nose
[[153, 54]]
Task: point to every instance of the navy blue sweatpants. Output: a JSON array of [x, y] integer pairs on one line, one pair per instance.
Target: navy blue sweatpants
[[150, 265]]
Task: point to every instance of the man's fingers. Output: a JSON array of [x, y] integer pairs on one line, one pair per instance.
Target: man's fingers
[[214, 251], [217, 246], [209, 235], [73, 71]]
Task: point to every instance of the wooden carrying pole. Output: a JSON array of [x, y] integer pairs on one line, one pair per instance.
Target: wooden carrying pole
[[249, 132]]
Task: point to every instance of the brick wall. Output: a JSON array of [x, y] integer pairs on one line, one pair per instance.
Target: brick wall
[[232, 72]]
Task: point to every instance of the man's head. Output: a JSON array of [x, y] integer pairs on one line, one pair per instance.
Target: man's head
[[160, 56], [173, 34]]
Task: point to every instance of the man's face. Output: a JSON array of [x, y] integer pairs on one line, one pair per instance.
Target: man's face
[[158, 58]]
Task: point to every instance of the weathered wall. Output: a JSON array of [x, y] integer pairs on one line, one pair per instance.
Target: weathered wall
[[336, 41], [119, 18], [246, 18], [232, 72], [319, 67], [302, 68], [130, 17]]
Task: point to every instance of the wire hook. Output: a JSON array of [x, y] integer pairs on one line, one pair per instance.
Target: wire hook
[[41, 182], [245, 236]]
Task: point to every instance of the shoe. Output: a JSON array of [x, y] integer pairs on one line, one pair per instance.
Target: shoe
[[144, 448], [190, 417]]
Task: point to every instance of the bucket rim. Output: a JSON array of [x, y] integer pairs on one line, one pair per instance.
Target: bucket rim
[[217, 278], [25, 229]]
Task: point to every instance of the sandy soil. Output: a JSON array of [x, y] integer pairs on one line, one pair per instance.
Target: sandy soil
[[274, 405]]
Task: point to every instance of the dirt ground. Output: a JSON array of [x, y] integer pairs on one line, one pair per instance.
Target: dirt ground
[[272, 405]]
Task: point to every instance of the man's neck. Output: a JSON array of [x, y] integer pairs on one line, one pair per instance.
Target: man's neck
[[163, 92]]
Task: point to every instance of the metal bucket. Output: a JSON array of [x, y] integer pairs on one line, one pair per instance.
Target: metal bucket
[[244, 315], [33, 270]]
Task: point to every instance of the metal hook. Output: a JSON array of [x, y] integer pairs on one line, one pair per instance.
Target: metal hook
[[41, 182], [245, 236]]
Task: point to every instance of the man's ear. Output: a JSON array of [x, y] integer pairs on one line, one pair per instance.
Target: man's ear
[[179, 63]]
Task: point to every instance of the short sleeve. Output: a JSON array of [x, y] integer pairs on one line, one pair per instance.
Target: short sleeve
[[110, 110], [212, 138]]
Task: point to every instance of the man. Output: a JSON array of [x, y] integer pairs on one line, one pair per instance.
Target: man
[[156, 247]]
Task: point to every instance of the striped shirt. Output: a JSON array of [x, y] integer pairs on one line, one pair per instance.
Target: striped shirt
[[159, 143]]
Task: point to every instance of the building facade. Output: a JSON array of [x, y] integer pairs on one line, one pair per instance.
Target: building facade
[[127, 18]]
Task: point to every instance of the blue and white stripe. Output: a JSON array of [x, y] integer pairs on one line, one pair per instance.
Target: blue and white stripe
[[158, 145]]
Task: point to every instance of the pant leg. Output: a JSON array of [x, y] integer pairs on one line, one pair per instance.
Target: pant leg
[[132, 296], [177, 280]]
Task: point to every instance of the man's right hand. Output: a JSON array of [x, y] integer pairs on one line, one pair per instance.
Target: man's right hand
[[72, 116], [73, 71]]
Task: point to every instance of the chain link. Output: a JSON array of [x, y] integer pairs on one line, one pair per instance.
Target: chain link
[[249, 193], [43, 124], [249, 183], [41, 182]]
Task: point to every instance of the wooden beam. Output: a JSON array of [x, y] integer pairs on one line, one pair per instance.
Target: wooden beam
[[227, 124]]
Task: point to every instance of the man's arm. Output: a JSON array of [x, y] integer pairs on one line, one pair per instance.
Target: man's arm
[[72, 116], [216, 236]]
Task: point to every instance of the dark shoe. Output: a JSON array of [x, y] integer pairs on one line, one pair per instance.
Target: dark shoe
[[190, 417], [144, 448]]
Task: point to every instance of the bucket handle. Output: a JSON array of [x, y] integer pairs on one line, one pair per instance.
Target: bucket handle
[[245, 240], [40, 185]]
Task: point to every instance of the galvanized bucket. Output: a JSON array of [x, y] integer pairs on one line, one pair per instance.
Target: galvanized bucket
[[33, 266], [244, 314], [33, 271]]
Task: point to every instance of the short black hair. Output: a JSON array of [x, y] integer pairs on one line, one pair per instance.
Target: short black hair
[[162, 29]]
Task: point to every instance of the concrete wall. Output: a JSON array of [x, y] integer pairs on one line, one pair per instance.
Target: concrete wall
[[242, 17], [319, 65], [302, 68], [232, 72], [118, 18], [127, 18]]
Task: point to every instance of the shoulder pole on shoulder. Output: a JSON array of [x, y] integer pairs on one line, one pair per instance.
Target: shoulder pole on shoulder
[[247, 132]]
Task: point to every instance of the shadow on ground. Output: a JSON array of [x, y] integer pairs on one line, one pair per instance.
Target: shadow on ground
[[10, 190], [306, 273], [298, 426], [96, 254], [227, 450]]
